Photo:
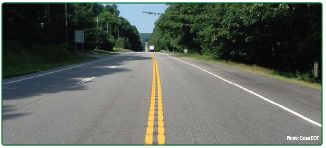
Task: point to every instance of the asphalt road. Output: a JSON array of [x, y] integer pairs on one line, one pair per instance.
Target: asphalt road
[[107, 101]]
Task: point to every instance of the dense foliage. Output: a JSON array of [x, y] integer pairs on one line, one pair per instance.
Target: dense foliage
[[35, 36], [46, 23], [144, 37], [285, 37]]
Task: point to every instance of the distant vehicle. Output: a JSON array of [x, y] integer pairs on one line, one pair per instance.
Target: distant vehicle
[[151, 48]]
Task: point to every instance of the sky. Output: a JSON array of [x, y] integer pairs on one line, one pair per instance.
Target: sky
[[143, 21]]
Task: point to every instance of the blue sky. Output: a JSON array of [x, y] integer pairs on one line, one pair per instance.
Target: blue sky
[[144, 22]]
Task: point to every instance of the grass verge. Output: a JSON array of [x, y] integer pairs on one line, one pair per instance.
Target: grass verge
[[121, 50], [97, 51], [287, 77], [23, 69], [21, 58]]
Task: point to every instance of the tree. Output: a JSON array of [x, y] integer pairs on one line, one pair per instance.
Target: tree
[[286, 37]]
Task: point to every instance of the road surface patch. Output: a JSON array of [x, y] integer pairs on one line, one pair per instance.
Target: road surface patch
[[256, 94]]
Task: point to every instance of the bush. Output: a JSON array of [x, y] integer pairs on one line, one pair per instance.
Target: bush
[[120, 43], [109, 43], [19, 59], [15, 53]]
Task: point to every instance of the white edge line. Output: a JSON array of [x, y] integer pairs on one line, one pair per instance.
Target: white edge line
[[82, 81], [60, 70], [89, 79], [260, 96], [85, 80]]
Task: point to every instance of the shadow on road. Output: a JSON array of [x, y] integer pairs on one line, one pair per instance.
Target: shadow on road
[[58, 82], [6, 109]]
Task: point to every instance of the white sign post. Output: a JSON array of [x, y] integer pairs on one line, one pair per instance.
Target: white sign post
[[185, 51], [79, 38]]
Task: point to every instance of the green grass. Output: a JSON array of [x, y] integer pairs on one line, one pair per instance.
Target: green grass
[[32, 68], [296, 78], [97, 51], [105, 52], [121, 50], [21, 58]]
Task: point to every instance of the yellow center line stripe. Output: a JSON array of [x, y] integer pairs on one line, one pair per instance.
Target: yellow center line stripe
[[160, 129], [151, 116], [150, 123]]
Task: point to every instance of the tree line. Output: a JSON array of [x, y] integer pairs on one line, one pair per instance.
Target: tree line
[[46, 23], [285, 37]]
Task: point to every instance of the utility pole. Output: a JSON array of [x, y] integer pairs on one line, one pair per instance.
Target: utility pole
[[66, 24], [107, 27], [118, 33]]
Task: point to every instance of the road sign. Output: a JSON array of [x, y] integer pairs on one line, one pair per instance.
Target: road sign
[[79, 36], [185, 51]]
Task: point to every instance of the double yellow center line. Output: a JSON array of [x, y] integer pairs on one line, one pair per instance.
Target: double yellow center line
[[155, 115]]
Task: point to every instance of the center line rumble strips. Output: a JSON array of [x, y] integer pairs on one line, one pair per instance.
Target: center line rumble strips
[[155, 114]]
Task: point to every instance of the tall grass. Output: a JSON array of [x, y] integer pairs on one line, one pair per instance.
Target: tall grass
[[121, 50], [21, 58]]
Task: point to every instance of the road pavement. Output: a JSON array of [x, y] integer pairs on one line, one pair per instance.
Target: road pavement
[[107, 101]]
